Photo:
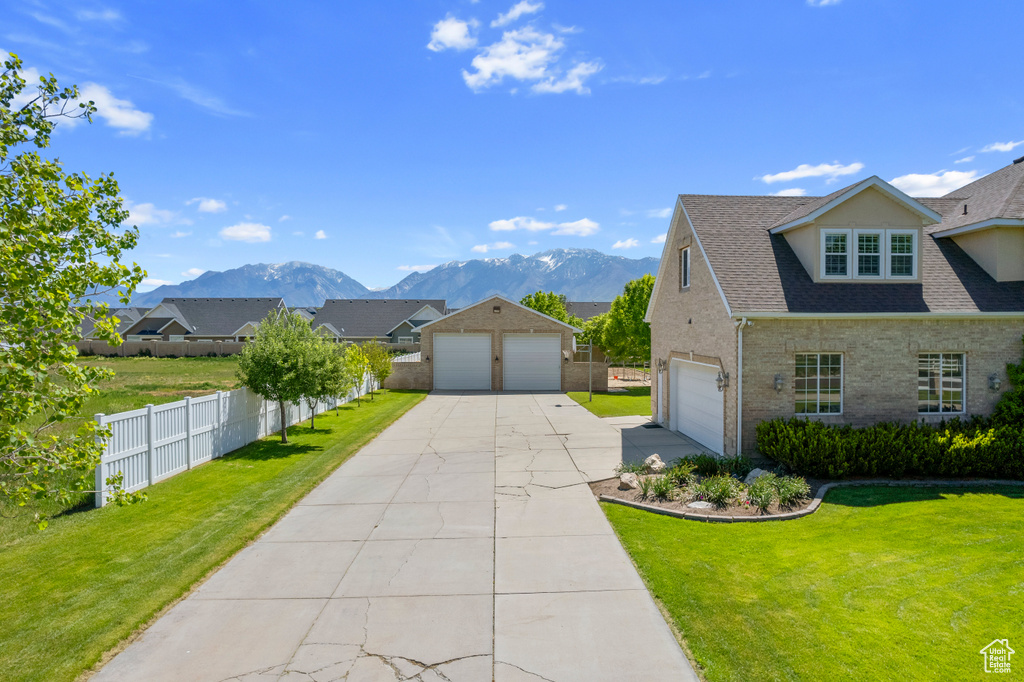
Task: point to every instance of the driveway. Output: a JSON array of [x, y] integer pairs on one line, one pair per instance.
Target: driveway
[[462, 544]]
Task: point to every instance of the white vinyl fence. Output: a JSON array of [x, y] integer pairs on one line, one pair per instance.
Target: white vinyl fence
[[157, 442]]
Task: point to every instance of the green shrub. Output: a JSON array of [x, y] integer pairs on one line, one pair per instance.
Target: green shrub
[[719, 489], [958, 448], [762, 492], [1009, 411], [646, 486], [663, 487], [706, 465], [738, 466], [681, 474], [637, 468], [789, 489]]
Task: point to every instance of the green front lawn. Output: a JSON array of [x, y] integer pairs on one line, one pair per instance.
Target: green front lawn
[[880, 584], [635, 401], [75, 590]]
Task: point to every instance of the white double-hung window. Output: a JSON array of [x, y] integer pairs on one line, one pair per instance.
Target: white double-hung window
[[868, 254], [940, 383]]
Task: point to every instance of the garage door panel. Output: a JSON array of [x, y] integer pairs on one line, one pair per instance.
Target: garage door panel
[[698, 407], [462, 362], [533, 362]]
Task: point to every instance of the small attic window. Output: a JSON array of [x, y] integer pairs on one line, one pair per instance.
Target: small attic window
[[496, 309]]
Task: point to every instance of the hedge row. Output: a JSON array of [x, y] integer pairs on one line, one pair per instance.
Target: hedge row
[[978, 448]]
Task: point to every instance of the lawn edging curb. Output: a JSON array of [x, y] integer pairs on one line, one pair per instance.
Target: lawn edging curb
[[815, 503]]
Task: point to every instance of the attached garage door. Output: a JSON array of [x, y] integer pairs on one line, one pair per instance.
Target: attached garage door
[[698, 407], [533, 362], [462, 362]]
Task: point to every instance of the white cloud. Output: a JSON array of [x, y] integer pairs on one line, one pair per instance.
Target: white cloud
[[208, 205], [415, 268], [832, 171], [625, 244], [284, 218], [560, 207], [497, 246], [453, 33], [193, 272], [108, 15], [148, 214], [517, 10], [659, 212], [179, 234], [579, 228], [791, 192], [117, 113], [660, 239], [966, 159], [706, 74], [933, 184], [638, 80], [528, 55], [1001, 146], [822, 3], [246, 232], [153, 282], [320, 234]]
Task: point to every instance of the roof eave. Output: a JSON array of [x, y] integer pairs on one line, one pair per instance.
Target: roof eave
[[977, 227]]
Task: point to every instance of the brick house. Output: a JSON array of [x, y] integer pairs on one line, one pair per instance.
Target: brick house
[[387, 320], [497, 345], [862, 306]]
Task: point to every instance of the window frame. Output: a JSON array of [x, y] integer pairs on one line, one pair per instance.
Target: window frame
[[842, 384], [914, 253], [684, 268], [855, 242], [825, 232], [941, 388], [406, 340]]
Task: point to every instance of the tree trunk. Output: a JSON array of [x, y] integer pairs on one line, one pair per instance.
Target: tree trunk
[[284, 427], [312, 417]]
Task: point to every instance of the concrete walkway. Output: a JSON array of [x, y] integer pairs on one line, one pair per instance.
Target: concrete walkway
[[463, 544]]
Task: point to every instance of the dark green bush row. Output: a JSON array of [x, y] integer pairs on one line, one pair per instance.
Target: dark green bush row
[[978, 448]]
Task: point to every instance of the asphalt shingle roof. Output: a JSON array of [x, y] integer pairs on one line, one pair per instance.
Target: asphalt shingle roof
[[367, 317], [587, 309], [759, 272], [218, 316]]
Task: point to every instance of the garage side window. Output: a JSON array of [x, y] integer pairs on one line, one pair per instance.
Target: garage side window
[[819, 383], [684, 267]]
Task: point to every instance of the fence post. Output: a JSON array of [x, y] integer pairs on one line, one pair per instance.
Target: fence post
[[150, 450], [218, 440], [100, 496], [188, 431]]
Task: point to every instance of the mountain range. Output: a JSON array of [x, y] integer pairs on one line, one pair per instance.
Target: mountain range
[[579, 274]]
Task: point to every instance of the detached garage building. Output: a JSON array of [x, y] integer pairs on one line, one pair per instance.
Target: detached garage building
[[497, 345]]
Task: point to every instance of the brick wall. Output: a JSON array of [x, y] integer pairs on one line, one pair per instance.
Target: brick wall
[[410, 375], [879, 364]]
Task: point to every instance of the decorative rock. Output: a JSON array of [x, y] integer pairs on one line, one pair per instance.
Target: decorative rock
[[654, 464], [628, 481], [754, 475], [700, 504]]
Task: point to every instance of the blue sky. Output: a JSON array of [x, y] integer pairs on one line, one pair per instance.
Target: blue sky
[[381, 137]]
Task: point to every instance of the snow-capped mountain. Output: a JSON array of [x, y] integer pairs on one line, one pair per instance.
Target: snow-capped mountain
[[301, 284], [580, 274]]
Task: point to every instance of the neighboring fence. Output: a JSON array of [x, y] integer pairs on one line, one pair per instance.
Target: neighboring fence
[[411, 357], [157, 442]]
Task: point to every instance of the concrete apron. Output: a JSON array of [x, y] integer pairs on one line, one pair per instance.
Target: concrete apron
[[462, 544]]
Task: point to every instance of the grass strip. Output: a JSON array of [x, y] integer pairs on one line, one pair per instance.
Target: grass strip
[[880, 583], [77, 589], [635, 401]]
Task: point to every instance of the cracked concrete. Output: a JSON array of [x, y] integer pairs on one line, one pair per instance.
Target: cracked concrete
[[461, 545]]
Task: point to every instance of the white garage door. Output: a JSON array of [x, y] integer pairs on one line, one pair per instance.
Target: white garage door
[[462, 362], [533, 362], [698, 407]]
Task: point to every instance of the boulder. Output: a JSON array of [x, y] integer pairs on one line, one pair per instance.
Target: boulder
[[628, 481], [654, 464], [754, 475]]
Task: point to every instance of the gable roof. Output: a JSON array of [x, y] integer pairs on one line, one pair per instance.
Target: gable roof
[[369, 317], [587, 309], [208, 316], [995, 198], [503, 300], [758, 272], [126, 318]]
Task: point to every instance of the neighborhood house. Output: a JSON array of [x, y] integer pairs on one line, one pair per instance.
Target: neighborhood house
[[862, 306]]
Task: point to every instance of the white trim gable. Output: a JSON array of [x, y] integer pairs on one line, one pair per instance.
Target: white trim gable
[[415, 316], [500, 298], [162, 311], [928, 215], [248, 325], [332, 329]]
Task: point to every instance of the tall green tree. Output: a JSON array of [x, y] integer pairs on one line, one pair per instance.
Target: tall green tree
[[359, 365], [625, 333], [61, 243], [552, 305], [378, 361], [320, 366], [278, 362]]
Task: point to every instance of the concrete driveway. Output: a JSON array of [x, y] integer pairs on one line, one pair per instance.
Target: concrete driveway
[[463, 544]]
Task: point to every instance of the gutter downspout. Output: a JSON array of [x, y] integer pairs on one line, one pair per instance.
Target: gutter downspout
[[739, 383]]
